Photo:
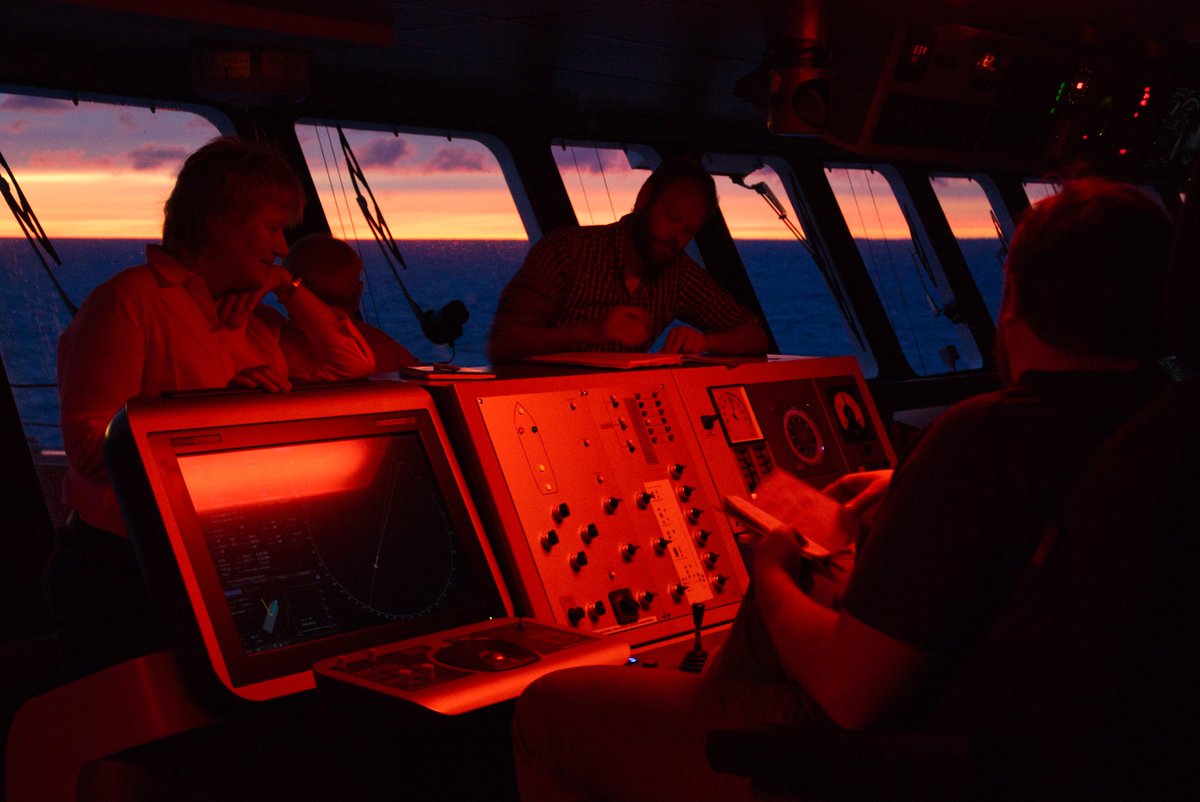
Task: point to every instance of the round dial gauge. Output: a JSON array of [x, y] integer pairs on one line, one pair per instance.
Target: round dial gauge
[[803, 436], [735, 413]]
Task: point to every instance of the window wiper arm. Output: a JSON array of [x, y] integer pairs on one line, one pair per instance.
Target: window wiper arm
[[31, 227], [835, 289]]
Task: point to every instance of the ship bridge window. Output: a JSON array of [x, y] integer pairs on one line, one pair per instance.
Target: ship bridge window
[[94, 176], [446, 203], [982, 227], [910, 284], [796, 295], [1037, 190], [602, 180]]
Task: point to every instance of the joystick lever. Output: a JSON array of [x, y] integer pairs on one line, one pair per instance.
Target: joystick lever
[[695, 659]]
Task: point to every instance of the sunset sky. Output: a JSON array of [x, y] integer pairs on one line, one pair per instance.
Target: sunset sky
[[103, 171]]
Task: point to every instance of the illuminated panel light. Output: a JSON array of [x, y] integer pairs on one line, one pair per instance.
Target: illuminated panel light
[[918, 52], [263, 476], [987, 62]]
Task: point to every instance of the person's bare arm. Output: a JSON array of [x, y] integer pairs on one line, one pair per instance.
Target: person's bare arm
[[748, 338], [626, 325], [855, 672]]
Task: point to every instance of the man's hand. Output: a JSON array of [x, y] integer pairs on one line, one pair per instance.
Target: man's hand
[[685, 340], [262, 377], [235, 307], [861, 494], [627, 325], [779, 551]]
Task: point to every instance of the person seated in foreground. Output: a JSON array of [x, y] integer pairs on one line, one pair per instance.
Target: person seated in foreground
[[1081, 322], [190, 318], [617, 287], [333, 270]]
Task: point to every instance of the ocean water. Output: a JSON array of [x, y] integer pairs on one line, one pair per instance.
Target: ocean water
[[796, 299]]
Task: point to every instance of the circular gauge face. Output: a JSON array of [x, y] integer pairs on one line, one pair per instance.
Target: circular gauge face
[[739, 422], [803, 436]]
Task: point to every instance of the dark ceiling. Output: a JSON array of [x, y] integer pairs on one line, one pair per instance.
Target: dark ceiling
[[583, 61]]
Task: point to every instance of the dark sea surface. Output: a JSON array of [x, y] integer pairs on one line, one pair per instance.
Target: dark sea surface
[[796, 299]]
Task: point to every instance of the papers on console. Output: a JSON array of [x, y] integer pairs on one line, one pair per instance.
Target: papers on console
[[624, 360], [784, 503]]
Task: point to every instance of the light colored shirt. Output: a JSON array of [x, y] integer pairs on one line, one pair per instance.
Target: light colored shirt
[[152, 329]]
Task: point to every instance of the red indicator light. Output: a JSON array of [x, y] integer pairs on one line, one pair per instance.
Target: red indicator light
[[1122, 151], [987, 62], [1079, 85], [1085, 137], [1135, 114]]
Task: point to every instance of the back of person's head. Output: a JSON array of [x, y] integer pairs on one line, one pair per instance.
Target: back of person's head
[[230, 177], [329, 267], [679, 169], [1088, 267]]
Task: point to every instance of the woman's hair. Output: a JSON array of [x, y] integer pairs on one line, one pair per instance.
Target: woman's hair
[[228, 177]]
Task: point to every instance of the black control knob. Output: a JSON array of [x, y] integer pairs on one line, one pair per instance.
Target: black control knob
[[644, 499], [578, 560], [679, 590], [677, 470], [596, 609], [702, 536], [575, 615], [629, 549], [589, 533], [549, 540], [685, 492], [662, 543], [611, 503], [711, 558], [719, 581], [647, 597], [694, 514], [560, 512], [627, 607]]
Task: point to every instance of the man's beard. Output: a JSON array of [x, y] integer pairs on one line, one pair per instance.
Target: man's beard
[[643, 243]]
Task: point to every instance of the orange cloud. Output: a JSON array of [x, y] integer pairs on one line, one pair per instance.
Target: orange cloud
[[68, 159]]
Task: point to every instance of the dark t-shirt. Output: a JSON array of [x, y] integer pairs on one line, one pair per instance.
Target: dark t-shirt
[[965, 510]]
